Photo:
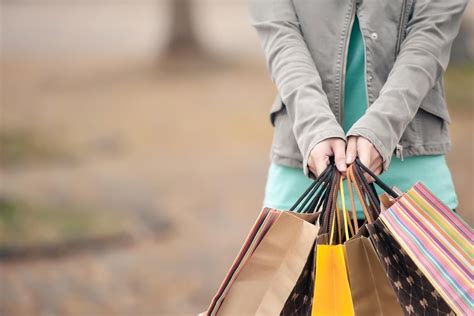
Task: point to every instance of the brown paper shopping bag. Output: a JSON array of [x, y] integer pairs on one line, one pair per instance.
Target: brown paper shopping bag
[[269, 275], [261, 226], [272, 259], [371, 291]]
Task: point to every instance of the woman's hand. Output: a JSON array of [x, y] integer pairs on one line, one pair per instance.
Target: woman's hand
[[319, 156], [358, 146]]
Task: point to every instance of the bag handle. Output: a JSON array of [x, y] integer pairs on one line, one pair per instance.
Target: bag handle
[[354, 214], [345, 215], [336, 219], [368, 191], [312, 192], [378, 181], [306, 196], [336, 222], [321, 195], [332, 214], [351, 198], [327, 216], [354, 180]]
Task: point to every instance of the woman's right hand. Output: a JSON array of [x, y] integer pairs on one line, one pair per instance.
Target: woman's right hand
[[319, 156]]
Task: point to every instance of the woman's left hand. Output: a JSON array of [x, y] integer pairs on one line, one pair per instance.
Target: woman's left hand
[[358, 146]]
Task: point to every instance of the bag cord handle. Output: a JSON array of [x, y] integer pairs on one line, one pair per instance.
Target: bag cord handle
[[378, 181], [311, 197]]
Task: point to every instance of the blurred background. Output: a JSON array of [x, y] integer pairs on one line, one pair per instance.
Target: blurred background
[[134, 146]]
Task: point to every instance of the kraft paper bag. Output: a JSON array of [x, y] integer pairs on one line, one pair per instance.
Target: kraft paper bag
[[261, 226], [271, 272], [371, 291], [300, 300]]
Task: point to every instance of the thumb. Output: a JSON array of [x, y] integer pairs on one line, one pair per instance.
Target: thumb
[[340, 155], [351, 150]]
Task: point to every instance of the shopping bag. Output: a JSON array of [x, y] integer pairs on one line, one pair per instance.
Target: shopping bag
[[438, 241], [265, 282], [415, 293], [272, 259], [371, 291], [263, 223], [300, 300], [332, 294]]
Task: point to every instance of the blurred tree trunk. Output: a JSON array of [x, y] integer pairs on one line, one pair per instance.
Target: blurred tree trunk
[[183, 39]]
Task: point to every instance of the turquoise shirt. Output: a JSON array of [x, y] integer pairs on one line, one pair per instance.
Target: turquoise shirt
[[286, 184]]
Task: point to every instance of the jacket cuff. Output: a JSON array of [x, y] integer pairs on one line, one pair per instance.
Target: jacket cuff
[[316, 138], [385, 153]]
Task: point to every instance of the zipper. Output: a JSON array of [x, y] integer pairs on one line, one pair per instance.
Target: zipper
[[400, 28], [365, 67], [343, 63], [399, 147], [399, 151]]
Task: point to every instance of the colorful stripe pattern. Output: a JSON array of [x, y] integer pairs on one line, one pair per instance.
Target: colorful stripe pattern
[[438, 241]]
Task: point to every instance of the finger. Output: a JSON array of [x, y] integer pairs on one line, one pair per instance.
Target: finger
[[351, 150], [339, 149], [369, 178], [363, 152], [312, 170], [321, 164], [376, 164], [378, 171]]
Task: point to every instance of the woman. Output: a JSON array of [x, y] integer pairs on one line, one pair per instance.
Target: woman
[[358, 78]]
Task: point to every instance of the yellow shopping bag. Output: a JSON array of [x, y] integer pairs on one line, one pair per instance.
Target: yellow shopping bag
[[332, 293]]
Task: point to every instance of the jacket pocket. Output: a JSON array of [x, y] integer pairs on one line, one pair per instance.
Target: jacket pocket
[[435, 104], [430, 125]]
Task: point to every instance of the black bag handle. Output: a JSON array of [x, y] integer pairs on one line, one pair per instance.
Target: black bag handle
[[306, 199], [369, 191], [314, 192], [378, 181], [319, 198], [328, 212]]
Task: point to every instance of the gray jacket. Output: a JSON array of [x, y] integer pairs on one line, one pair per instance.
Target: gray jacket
[[407, 48]]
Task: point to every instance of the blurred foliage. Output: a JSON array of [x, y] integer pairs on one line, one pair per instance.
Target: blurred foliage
[[19, 147], [459, 83], [24, 224]]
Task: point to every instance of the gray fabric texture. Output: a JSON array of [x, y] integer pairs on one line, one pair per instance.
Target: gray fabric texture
[[407, 43]]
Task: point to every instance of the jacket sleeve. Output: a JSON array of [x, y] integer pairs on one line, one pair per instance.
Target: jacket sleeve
[[423, 57], [294, 73]]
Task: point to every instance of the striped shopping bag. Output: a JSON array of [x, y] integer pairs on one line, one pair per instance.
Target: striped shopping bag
[[438, 241]]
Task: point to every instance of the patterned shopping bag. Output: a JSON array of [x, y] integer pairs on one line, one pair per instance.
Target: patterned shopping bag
[[415, 293], [438, 241]]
